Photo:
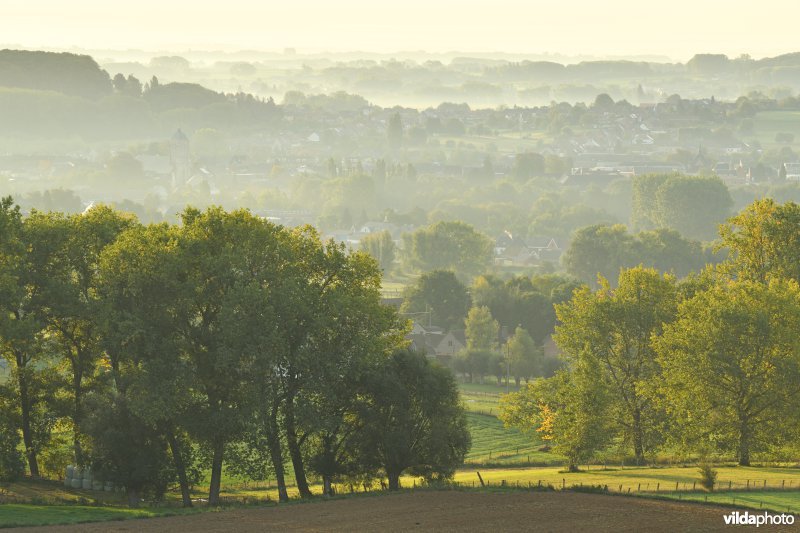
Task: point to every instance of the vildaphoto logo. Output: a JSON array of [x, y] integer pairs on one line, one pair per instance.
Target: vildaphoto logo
[[752, 519]]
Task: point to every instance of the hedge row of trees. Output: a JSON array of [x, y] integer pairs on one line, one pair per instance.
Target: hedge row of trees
[[709, 365], [165, 351]]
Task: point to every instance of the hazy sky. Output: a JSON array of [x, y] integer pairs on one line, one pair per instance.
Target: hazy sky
[[674, 28]]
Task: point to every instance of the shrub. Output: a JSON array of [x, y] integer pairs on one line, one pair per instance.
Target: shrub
[[12, 463], [708, 476]]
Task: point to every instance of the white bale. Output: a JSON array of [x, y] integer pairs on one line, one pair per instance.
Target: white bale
[[108, 487], [87, 484], [97, 485], [87, 473], [76, 483], [77, 473], [70, 471]]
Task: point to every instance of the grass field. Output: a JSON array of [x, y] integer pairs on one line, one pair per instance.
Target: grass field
[[493, 444], [392, 288], [502, 455], [660, 482], [17, 515], [54, 492], [779, 501], [484, 398], [641, 479], [768, 123]]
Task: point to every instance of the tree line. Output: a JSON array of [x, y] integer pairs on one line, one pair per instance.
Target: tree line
[[157, 353], [708, 366]]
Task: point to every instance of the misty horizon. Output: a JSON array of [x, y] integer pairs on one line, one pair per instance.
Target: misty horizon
[[624, 28]]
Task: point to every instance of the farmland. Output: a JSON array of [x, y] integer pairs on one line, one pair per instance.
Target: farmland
[[770, 488], [492, 444], [448, 511], [18, 515], [644, 479], [769, 123], [772, 501]]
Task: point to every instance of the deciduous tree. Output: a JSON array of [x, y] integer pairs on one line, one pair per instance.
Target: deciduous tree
[[441, 294], [417, 422], [610, 330], [731, 366]]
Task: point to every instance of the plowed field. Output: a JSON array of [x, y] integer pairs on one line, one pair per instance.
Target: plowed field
[[445, 511]]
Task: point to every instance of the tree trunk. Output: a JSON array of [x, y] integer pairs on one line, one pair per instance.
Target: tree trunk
[[294, 450], [394, 480], [744, 441], [276, 454], [326, 486], [638, 441], [77, 390], [133, 498], [25, 408], [216, 473], [180, 467]]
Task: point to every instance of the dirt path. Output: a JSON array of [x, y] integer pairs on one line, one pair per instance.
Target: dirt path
[[446, 511]]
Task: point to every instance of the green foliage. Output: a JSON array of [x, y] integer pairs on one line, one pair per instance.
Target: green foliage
[[394, 131], [492, 443], [525, 357], [70, 74], [611, 331], [482, 330], [12, 463], [381, 247], [528, 165], [24, 272], [570, 410], [605, 250], [693, 206], [731, 366], [452, 246], [127, 450], [167, 96], [66, 253], [416, 420], [708, 476], [523, 302], [764, 241], [441, 294], [599, 251], [473, 363]]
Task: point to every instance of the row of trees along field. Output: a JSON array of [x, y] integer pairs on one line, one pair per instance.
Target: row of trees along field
[[156, 353], [706, 366]]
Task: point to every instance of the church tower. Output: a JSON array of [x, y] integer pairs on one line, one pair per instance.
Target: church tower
[[179, 157]]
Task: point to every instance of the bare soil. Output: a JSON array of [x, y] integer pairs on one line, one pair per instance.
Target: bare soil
[[446, 511]]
